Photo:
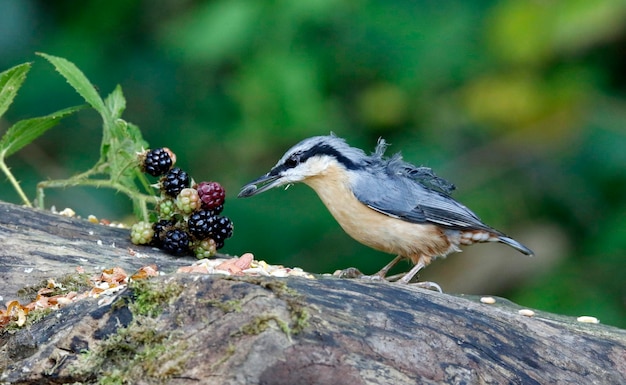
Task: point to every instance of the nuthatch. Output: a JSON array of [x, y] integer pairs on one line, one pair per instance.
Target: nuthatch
[[384, 203]]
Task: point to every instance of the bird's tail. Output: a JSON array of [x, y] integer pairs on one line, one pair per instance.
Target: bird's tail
[[516, 245]]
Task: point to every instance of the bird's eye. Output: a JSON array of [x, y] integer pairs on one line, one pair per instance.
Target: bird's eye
[[293, 160]]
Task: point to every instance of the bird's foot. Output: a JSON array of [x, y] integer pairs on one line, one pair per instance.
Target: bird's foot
[[428, 286], [412, 279], [353, 272]]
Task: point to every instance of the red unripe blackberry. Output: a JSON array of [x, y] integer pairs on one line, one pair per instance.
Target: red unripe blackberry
[[212, 195], [175, 181], [199, 224], [157, 162], [176, 242]]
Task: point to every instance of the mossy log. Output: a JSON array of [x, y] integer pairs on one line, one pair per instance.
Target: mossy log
[[207, 329]]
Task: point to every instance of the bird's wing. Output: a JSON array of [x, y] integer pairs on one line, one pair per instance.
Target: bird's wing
[[427, 178], [411, 201]]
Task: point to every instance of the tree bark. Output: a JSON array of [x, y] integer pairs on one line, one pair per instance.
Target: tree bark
[[215, 329]]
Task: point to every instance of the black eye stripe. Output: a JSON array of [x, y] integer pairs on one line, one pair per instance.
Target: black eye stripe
[[293, 160], [325, 149], [299, 157]]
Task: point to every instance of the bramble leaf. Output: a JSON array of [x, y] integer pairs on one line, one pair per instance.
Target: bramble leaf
[[10, 82], [80, 83], [27, 130], [116, 102]]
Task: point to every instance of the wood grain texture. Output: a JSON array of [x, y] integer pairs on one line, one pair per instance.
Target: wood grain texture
[[254, 330]]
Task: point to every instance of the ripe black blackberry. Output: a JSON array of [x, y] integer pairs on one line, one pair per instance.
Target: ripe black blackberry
[[199, 224], [176, 242], [220, 229], [157, 162], [216, 210], [174, 181], [160, 228], [212, 195]]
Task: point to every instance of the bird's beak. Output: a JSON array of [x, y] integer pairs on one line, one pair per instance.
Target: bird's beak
[[265, 182]]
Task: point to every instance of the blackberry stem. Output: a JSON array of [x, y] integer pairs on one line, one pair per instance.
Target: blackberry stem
[[79, 180], [15, 183]]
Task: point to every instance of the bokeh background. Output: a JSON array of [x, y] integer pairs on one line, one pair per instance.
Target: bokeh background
[[520, 103]]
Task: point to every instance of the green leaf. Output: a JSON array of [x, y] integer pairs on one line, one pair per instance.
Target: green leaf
[[27, 130], [10, 82], [80, 83], [134, 133], [116, 103]]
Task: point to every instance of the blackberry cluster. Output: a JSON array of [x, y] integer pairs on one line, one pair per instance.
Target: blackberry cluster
[[187, 215]]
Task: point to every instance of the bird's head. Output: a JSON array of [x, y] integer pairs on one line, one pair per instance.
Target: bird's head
[[307, 159]]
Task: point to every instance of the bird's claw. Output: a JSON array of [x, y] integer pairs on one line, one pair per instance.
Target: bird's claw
[[353, 272], [428, 286]]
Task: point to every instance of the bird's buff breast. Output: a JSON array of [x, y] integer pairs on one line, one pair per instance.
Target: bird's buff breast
[[375, 229]]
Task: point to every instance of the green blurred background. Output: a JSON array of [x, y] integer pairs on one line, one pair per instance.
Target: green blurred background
[[522, 104]]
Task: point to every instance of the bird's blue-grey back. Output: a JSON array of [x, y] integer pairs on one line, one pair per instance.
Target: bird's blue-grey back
[[414, 194]]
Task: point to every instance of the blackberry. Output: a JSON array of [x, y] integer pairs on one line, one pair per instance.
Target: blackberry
[[157, 162], [199, 224], [176, 242], [160, 228], [212, 195], [220, 229], [188, 201], [141, 233], [174, 182], [166, 208], [205, 248], [217, 210]]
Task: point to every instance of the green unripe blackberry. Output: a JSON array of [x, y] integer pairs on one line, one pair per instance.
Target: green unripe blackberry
[[204, 249], [212, 195], [174, 182], [166, 208], [188, 201], [157, 162], [141, 233], [176, 242]]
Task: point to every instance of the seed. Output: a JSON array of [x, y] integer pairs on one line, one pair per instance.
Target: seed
[[526, 312], [588, 319]]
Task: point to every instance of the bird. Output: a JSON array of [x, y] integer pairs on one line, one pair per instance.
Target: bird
[[382, 202]]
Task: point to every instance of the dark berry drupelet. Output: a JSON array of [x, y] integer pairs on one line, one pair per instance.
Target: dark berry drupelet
[[215, 210], [212, 195], [160, 228], [174, 181], [157, 162], [199, 224], [220, 229], [176, 242]]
